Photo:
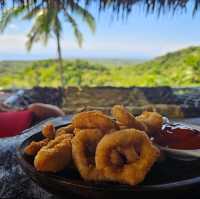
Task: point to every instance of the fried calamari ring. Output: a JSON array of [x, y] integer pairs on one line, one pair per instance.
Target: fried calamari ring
[[133, 171], [152, 120], [35, 146], [83, 130], [78, 131], [130, 154], [65, 130], [117, 156], [48, 130], [92, 120], [83, 152], [121, 114], [56, 155]]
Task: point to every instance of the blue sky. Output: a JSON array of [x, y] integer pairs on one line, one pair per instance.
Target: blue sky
[[140, 36]]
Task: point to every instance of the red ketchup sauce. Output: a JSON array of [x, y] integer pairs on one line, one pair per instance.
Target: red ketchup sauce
[[178, 136]]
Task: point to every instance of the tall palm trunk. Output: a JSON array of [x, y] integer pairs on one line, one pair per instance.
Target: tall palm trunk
[[60, 61], [60, 65]]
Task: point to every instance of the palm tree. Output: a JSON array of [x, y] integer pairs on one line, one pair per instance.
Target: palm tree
[[117, 6], [47, 23]]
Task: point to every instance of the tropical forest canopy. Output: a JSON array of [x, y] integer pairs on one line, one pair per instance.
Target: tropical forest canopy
[[177, 69], [181, 68]]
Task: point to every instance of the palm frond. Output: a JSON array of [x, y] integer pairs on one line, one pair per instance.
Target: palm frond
[[86, 16], [41, 29], [9, 15], [159, 6], [77, 32], [32, 37], [32, 12]]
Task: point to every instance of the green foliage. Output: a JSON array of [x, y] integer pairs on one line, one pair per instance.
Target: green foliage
[[181, 68], [47, 23], [8, 15]]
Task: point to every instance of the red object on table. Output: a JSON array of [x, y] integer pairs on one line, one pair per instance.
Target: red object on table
[[12, 123], [178, 136]]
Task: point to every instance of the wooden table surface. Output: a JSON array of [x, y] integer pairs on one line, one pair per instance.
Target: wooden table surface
[[14, 183]]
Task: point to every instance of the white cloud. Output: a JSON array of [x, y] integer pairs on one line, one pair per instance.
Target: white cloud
[[16, 44], [13, 27], [12, 43], [143, 47]]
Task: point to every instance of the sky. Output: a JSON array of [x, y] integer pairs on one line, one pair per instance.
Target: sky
[[138, 37]]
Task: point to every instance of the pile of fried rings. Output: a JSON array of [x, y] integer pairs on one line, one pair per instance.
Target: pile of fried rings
[[102, 148]]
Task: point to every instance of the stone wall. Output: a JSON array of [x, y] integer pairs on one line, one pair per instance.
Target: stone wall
[[167, 101], [171, 102]]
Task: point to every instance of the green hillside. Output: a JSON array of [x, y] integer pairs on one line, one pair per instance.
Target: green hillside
[[7, 67], [181, 68]]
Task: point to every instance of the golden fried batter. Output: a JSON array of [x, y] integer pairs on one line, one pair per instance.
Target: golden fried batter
[[118, 155], [56, 155], [35, 146], [152, 120], [121, 114], [92, 120], [102, 149], [83, 152], [65, 130], [136, 164], [48, 130]]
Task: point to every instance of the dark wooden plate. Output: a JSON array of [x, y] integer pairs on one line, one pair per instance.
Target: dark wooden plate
[[170, 178]]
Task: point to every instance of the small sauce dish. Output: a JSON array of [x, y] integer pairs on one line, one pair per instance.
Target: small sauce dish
[[179, 141]]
